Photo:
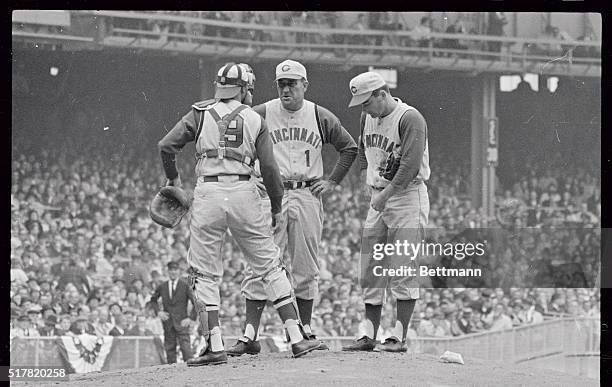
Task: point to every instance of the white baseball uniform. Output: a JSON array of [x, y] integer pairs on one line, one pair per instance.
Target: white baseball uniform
[[298, 138], [405, 213]]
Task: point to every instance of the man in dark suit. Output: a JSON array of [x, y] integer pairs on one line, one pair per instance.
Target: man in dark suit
[[175, 293]]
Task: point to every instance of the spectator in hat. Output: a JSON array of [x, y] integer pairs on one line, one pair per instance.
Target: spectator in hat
[[34, 314], [25, 328], [82, 325], [50, 326], [464, 322]]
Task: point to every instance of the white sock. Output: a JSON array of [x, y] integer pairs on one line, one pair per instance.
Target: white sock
[[307, 329], [366, 328], [294, 331], [216, 342], [249, 332]]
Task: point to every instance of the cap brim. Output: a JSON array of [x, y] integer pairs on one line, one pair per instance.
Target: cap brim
[[359, 99], [289, 76], [226, 92]]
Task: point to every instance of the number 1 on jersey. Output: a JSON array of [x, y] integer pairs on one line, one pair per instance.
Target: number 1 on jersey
[[307, 157]]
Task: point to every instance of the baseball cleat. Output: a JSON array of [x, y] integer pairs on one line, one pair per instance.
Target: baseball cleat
[[244, 345], [391, 345], [208, 358], [322, 345], [304, 346], [362, 344]]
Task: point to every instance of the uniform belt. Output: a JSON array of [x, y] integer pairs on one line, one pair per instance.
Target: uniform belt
[[413, 182], [293, 184], [213, 179]]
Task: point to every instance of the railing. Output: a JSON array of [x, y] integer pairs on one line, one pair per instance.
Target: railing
[[346, 47], [568, 337]]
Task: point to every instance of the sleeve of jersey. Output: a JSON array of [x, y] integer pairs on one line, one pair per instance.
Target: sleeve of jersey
[[172, 143], [340, 138], [261, 110], [269, 169], [412, 132], [361, 157]]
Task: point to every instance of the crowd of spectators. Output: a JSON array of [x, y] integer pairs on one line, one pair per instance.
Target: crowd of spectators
[[85, 256]]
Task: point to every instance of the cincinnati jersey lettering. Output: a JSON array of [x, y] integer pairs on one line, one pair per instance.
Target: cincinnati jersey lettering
[[296, 140], [296, 134], [380, 138]]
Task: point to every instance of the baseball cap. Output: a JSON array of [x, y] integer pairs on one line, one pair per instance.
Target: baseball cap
[[230, 78], [363, 85], [290, 69]]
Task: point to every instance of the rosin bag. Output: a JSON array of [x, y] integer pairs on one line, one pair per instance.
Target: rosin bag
[[452, 357]]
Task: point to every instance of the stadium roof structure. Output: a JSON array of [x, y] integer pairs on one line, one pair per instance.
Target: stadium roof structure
[[516, 56]]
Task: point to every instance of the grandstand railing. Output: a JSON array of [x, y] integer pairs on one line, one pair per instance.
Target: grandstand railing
[[344, 47], [568, 336]]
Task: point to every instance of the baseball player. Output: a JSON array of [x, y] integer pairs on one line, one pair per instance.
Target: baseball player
[[298, 129], [399, 204], [229, 136]]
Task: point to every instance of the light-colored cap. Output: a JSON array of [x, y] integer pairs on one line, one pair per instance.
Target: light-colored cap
[[290, 69], [363, 85], [230, 78]]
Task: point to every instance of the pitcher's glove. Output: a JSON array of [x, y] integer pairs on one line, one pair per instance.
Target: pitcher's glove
[[391, 167], [169, 206]]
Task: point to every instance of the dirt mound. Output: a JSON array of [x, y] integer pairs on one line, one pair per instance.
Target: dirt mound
[[334, 368]]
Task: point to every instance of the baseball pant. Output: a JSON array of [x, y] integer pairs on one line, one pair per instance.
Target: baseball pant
[[233, 205], [171, 336], [404, 217], [298, 239]]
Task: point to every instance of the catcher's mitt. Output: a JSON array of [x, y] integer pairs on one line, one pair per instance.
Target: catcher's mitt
[[169, 206], [391, 167]]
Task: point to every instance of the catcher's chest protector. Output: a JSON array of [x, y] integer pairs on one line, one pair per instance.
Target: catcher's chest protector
[[234, 152]]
